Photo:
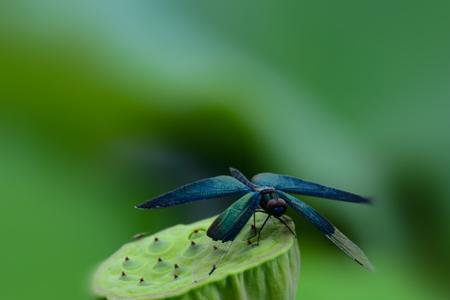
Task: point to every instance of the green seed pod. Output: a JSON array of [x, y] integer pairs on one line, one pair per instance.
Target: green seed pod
[[175, 264]]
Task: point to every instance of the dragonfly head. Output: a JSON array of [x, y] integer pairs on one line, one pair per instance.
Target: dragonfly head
[[272, 203]]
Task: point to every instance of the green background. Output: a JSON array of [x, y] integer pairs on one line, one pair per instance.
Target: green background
[[106, 104]]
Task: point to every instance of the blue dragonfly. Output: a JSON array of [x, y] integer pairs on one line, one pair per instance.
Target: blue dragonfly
[[268, 193]]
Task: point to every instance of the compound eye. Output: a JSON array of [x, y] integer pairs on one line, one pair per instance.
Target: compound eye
[[279, 209], [271, 204]]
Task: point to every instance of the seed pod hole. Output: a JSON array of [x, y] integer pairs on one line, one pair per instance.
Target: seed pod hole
[[125, 277], [194, 249], [197, 234], [161, 266], [143, 282], [131, 263], [160, 245]]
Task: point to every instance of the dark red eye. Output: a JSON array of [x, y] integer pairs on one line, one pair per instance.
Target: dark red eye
[[271, 204]]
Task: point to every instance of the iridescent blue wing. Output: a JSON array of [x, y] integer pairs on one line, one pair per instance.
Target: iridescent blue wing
[[241, 177], [229, 223], [297, 186], [214, 187], [330, 231]]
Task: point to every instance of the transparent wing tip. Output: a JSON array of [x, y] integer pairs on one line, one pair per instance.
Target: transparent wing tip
[[349, 248]]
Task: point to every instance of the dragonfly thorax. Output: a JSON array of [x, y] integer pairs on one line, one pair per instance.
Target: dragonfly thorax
[[272, 203]]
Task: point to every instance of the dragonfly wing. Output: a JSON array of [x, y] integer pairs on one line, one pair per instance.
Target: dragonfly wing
[[229, 223], [297, 186], [241, 177], [330, 231], [214, 187]]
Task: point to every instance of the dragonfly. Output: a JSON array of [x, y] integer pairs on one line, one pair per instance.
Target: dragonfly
[[265, 192]]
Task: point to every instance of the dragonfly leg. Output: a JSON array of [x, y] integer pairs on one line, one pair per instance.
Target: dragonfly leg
[[259, 232], [212, 270], [216, 264], [253, 228], [285, 224]]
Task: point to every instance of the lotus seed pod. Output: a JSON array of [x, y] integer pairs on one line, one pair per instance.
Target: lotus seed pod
[[176, 264]]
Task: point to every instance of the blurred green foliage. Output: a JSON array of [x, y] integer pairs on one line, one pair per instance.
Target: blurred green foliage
[[105, 104]]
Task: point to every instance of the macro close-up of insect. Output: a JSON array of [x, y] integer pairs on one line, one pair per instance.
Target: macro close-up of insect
[[268, 193]]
